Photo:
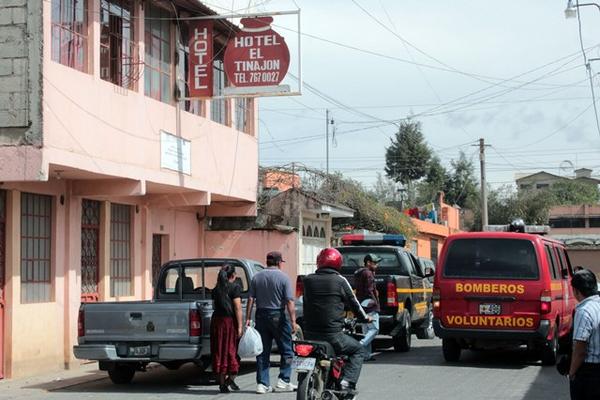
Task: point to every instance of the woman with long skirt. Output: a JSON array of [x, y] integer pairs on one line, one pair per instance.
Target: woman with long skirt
[[226, 329]]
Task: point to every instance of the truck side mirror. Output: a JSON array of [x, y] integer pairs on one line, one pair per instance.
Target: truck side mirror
[[429, 272]]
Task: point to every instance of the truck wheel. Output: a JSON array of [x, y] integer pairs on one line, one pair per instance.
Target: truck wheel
[[121, 374], [403, 339], [549, 352], [425, 331], [451, 350]]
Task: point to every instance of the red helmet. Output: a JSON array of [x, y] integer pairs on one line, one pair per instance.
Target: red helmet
[[329, 258]]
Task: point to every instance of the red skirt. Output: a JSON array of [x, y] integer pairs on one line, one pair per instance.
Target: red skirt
[[223, 345]]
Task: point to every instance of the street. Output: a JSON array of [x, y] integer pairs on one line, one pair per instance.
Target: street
[[420, 374]]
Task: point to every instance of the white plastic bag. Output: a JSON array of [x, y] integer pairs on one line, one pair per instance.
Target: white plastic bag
[[250, 343]]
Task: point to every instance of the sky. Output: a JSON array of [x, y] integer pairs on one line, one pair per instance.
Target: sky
[[511, 72]]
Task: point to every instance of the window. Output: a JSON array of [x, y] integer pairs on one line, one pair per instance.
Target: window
[[118, 49], [567, 222], [525, 186], [309, 231], [322, 233], [120, 250], [492, 259], [434, 250], [69, 33], [390, 264], [36, 231], [542, 186], [157, 69], [594, 222], [243, 111], [218, 107], [551, 262]]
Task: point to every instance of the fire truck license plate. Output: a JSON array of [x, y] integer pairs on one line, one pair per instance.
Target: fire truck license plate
[[139, 351], [303, 363], [490, 309]]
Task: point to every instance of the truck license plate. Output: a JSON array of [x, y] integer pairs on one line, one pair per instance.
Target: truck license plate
[[303, 363], [490, 309], [139, 351]]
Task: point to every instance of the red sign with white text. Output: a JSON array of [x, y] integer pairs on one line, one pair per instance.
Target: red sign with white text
[[200, 79], [257, 55]]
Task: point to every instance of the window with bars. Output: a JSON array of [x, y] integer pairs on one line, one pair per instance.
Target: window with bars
[[36, 232], [118, 48], [90, 246], [70, 33], [157, 68], [218, 107], [120, 250]]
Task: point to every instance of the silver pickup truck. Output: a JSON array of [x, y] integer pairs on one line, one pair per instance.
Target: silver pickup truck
[[171, 329]]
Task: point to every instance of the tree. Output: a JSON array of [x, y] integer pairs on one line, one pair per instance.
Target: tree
[[384, 189], [461, 188], [407, 157], [435, 181], [571, 192]]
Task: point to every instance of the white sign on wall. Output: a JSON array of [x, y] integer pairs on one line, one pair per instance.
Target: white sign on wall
[[175, 153]]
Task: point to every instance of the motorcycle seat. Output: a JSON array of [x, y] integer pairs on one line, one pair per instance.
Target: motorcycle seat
[[325, 346]]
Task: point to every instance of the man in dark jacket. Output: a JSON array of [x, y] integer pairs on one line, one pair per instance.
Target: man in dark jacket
[[326, 293], [366, 292]]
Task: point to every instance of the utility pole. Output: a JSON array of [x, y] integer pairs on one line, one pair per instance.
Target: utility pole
[[484, 209], [327, 140]]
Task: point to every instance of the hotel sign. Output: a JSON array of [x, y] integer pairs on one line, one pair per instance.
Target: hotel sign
[[257, 55], [200, 79]]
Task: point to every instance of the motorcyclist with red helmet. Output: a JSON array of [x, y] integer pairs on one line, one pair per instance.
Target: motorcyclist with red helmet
[[326, 294]]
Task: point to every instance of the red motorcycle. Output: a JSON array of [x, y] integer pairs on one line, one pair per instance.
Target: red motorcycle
[[320, 370]]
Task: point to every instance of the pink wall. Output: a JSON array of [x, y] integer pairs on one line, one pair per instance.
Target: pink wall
[[254, 245]]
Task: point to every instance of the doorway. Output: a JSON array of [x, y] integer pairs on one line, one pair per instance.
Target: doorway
[[157, 256], [90, 250]]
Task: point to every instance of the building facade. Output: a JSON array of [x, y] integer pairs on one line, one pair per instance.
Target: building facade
[[579, 228], [106, 171], [543, 180]]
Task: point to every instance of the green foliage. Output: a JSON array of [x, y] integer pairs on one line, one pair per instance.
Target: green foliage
[[369, 213], [384, 189], [407, 157], [571, 192], [461, 186]]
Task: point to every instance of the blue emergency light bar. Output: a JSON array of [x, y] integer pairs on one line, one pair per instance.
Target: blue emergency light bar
[[373, 239]]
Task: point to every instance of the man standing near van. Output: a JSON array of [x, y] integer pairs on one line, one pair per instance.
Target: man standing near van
[[271, 289], [367, 295], [584, 373]]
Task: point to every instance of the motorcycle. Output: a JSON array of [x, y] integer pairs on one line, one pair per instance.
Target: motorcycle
[[319, 370]]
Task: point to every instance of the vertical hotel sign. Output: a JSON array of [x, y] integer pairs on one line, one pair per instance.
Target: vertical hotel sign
[[201, 55]]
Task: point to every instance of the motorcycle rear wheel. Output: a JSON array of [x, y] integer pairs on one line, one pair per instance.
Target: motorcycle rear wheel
[[308, 386]]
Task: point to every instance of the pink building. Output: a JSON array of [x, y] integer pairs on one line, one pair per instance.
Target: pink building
[[104, 174]]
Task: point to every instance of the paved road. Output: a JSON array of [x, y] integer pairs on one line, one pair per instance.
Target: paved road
[[420, 374]]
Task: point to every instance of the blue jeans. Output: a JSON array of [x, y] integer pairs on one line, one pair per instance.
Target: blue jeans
[[370, 330], [273, 325]]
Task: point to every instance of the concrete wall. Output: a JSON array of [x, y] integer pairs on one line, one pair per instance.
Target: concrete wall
[[255, 245], [20, 72]]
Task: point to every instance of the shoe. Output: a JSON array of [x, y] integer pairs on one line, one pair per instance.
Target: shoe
[[283, 386], [223, 389], [262, 389], [232, 385]]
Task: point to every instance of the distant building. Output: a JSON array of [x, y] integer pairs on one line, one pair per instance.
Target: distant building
[[543, 179], [579, 228]]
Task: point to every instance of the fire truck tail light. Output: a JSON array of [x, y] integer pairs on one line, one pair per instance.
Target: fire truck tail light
[[546, 302]]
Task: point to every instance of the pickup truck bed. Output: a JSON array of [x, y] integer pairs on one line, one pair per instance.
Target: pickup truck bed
[[171, 329]]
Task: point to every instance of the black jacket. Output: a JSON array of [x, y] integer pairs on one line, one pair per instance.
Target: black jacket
[[326, 293]]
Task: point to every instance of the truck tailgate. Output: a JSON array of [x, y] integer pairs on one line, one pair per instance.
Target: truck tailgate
[[137, 321]]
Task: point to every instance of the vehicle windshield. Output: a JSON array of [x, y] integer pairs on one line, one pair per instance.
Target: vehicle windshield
[[491, 258], [389, 264]]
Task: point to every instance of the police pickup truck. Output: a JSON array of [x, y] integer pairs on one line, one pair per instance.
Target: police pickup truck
[[404, 290]]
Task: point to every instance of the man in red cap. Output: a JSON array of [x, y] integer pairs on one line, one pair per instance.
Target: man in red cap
[[271, 289]]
